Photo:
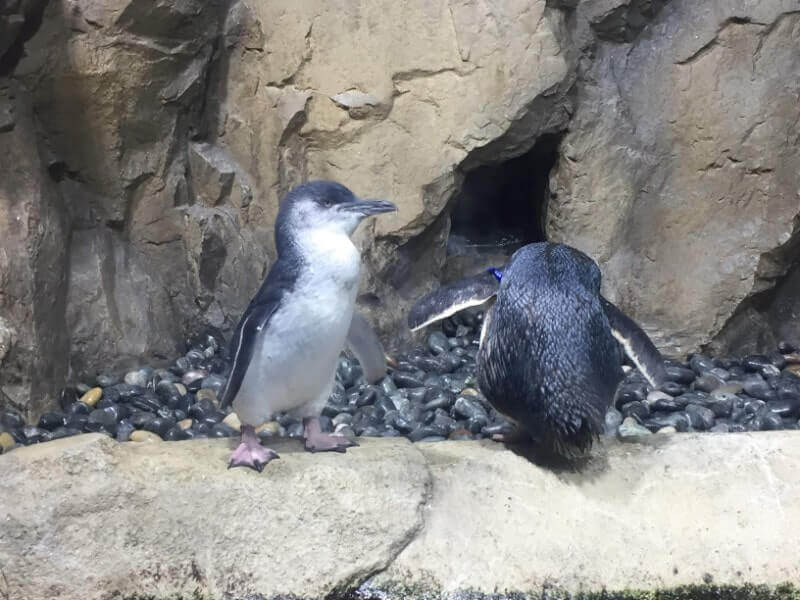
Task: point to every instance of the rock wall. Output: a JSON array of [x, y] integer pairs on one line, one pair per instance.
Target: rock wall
[[681, 169], [162, 136]]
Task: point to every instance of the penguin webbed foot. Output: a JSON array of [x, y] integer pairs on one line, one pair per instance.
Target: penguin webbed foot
[[250, 453], [317, 441]]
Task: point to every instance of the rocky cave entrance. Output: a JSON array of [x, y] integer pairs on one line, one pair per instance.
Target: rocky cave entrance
[[500, 208]]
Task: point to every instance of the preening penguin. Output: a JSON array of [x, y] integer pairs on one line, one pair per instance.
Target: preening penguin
[[286, 346], [548, 358]]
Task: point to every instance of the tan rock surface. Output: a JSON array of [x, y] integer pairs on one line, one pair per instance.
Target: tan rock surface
[[643, 516], [86, 517], [83, 518]]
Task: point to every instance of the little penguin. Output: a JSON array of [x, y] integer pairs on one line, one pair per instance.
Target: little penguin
[[287, 344], [548, 357]]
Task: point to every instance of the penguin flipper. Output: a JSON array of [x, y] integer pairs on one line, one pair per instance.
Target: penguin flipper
[[280, 279], [367, 348], [636, 343], [242, 344], [451, 298]]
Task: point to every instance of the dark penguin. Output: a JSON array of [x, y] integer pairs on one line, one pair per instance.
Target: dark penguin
[[548, 357], [287, 344]]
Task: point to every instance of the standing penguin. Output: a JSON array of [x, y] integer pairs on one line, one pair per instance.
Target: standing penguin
[[286, 346], [548, 358]]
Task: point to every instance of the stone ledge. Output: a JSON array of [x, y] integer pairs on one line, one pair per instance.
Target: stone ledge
[[87, 518]]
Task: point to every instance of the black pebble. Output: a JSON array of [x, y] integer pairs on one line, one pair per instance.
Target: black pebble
[[701, 364], [721, 403], [216, 366], [700, 417], [62, 432], [438, 398], [52, 420], [400, 423], [757, 388], [476, 424], [707, 382], [126, 390], [200, 410], [67, 398], [669, 404], [679, 374], [438, 342], [35, 435], [783, 408], [785, 347], [79, 408], [771, 421], [469, 409], [755, 362], [223, 430], [631, 392], [141, 418], [102, 419], [77, 421], [176, 434], [147, 401], [425, 431], [636, 409], [673, 388], [11, 420], [159, 425], [407, 380], [124, 430], [678, 420]]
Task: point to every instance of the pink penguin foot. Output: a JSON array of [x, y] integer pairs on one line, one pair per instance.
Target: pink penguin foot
[[317, 441], [250, 453]]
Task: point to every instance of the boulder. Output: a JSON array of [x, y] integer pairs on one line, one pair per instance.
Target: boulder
[[87, 518], [162, 519]]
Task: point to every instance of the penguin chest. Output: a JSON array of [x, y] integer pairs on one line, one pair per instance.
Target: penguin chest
[[295, 358]]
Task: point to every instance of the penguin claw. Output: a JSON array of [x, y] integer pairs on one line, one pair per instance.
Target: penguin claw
[[324, 442], [317, 441], [254, 457]]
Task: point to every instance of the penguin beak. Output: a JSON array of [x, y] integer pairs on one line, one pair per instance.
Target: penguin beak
[[369, 207]]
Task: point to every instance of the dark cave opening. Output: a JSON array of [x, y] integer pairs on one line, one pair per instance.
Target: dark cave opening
[[500, 208]]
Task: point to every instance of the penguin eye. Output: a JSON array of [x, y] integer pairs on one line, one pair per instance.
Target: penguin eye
[[327, 203]]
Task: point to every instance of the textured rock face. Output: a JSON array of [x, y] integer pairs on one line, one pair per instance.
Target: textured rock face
[[171, 130], [389, 110], [165, 133], [163, 519], [680, 172], [33, 267]]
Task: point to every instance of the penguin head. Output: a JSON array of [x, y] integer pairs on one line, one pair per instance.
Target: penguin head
[[327, 205]]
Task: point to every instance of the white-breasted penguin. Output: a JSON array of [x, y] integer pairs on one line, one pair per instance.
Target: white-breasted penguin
[[548, 358], [286, 346]]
